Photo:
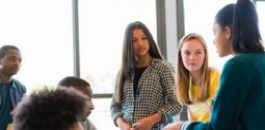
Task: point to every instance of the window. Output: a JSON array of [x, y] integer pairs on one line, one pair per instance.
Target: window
[[102, 27], [42, 29], [199, 17], [261, 9]]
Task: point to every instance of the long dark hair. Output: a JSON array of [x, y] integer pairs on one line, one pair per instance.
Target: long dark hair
[[128, 57], [246, 36], [224, 16]]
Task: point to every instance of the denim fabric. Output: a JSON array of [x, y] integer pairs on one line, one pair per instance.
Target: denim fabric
[[17, 91]]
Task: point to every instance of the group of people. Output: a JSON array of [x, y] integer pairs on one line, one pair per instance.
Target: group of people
[[148, 91], [65, 108], [239, 102]]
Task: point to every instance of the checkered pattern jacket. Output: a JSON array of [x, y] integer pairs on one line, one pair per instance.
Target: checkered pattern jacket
[[155, 94]]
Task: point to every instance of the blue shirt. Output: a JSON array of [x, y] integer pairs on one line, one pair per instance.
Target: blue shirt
[[10, 96]]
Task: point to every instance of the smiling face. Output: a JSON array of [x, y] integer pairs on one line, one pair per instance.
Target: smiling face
[[140, 43], [193, 55], [222, 40], [11, 62]]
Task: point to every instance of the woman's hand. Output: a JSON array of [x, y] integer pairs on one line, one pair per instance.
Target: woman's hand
[[122, 124], [143, 124], [125, 126]]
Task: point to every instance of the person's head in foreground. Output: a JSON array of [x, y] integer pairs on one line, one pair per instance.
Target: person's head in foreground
[[60, 109], [237, 32], [82, 86]]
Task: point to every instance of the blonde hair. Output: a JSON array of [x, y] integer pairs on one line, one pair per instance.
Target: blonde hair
[[183, 75]]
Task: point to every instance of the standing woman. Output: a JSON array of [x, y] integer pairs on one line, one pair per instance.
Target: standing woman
[[197, 83], [144, 96], [240, 101]]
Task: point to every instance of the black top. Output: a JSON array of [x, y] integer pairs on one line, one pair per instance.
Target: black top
[[137, 75]]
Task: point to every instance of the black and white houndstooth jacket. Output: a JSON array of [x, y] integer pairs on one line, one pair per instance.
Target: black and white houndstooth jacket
[[156, 93]]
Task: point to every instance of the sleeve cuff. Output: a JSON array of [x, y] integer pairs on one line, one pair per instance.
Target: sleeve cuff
[[184, 125], [115, 119]]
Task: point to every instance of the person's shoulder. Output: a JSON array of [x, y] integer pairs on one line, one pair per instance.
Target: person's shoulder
[[214, 72], [234, 61], [246, 60], [162, 66], [248, 63], [162, 63], [18, 84], [214, 81], [246, 57], [89, 125]]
